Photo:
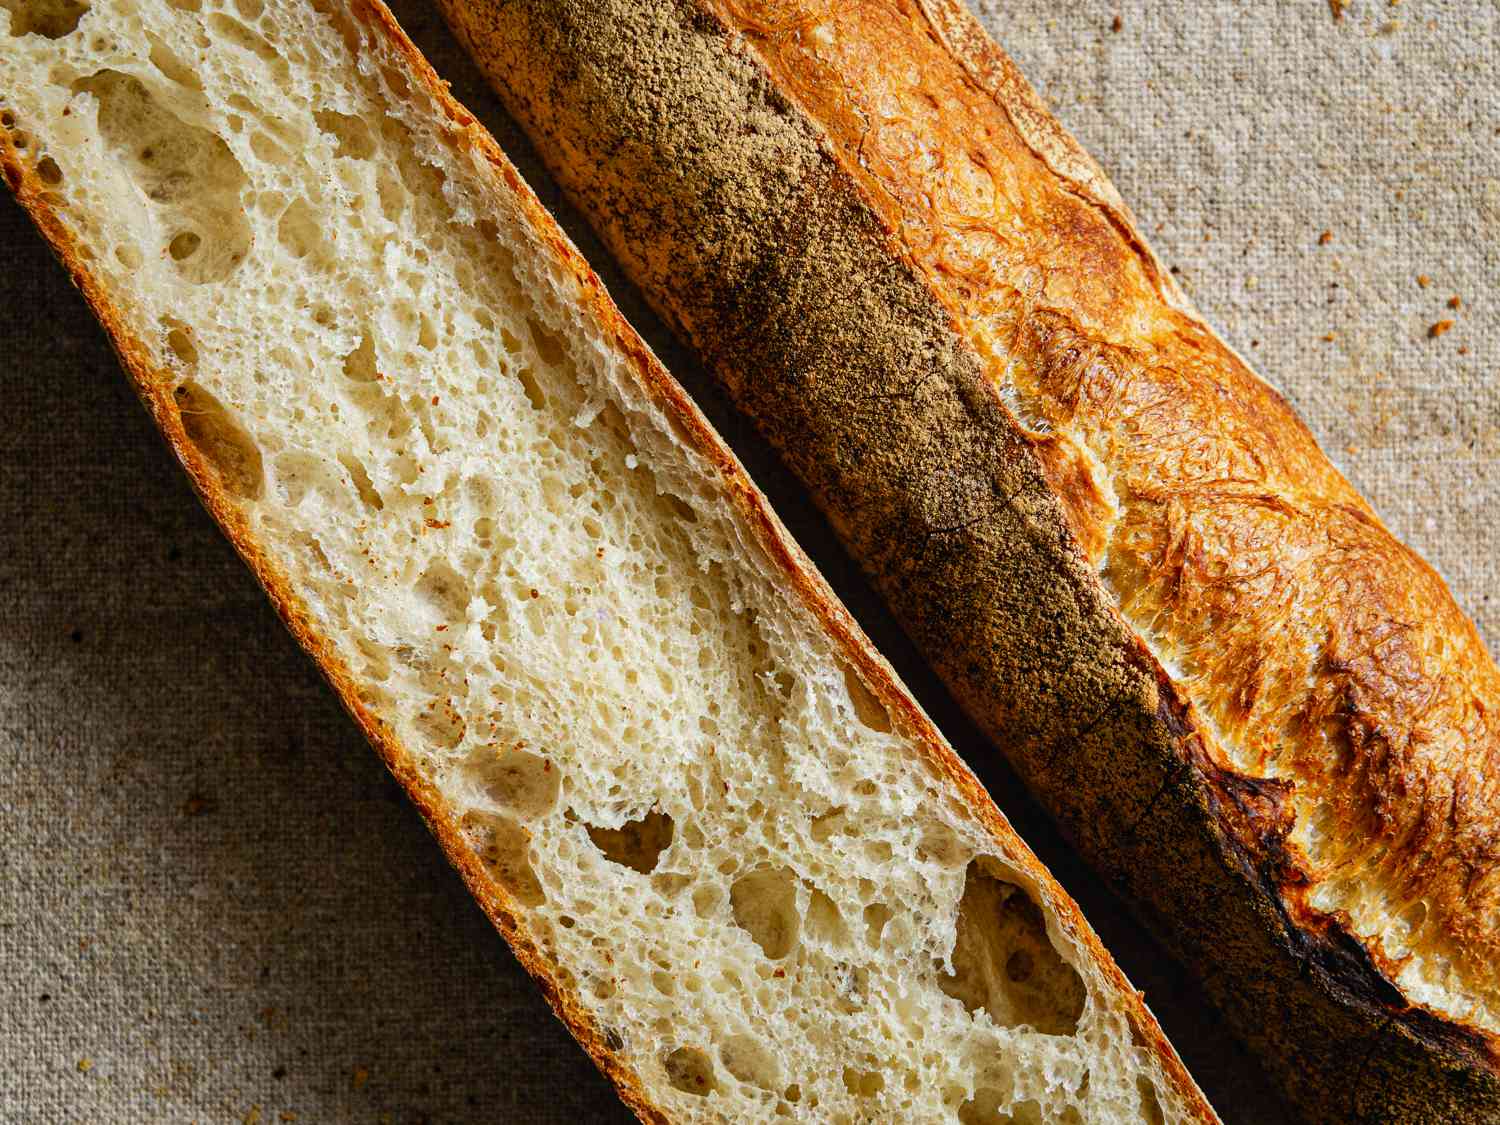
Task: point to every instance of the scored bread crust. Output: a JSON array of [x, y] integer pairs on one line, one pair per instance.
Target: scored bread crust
[[153, 384], [1128, 613]]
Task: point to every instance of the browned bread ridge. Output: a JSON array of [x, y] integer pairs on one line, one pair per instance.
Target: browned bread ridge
[[1261, 716], [744, 867]]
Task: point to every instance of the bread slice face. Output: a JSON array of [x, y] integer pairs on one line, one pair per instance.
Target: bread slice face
[[744, 867]]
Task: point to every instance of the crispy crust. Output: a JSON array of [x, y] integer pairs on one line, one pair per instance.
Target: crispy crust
[[153, 384], [866, 222]]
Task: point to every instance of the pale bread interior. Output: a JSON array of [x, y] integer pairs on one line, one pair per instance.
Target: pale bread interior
[[761, 890]]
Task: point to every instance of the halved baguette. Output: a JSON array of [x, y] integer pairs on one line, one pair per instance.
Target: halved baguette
[[1264, 719], [748, 873]]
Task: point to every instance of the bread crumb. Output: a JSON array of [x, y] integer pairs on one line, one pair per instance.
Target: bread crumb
[[252, 1115], [85, 1065], [1423, 280], [1325, 238], [197, 806], [1463, 349], [288, 1115], [1117, 24], [1328, 337], [1439, 328], [1337, 8], [1455, 301], [361, 1076]]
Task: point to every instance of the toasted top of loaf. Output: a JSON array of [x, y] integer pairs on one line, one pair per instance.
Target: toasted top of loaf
[[745, 868]]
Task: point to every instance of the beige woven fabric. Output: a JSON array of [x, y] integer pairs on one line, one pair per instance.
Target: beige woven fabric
[[214, 905]]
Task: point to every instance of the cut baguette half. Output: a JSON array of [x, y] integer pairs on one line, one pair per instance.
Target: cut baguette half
[[1264, 721], [746, 870]]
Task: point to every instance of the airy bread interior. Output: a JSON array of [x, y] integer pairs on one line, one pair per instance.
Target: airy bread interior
[[761, 890]]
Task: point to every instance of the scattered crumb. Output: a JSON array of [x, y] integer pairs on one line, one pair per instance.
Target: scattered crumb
[[361, 1076], [1423, 280], [1390, 27], [85, 1065], [288, 1115], [1325, 238], [1463, 349], [252, 1115], [1351, 449], [1117, 24], [197, 806], [1455, 301], [1337, 8], [1328, 337], [1439, 328]]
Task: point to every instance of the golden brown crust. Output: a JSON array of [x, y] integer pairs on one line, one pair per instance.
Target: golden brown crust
[[867, 224], [153, 384]]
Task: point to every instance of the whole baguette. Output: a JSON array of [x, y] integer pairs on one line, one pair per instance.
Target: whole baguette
[[1262, 717], [242, 196]]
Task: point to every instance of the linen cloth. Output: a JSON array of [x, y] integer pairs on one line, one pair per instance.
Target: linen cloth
[[215, 905]]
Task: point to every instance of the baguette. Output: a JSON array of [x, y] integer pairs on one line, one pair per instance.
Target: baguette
[[745, 869], [1260, 716]]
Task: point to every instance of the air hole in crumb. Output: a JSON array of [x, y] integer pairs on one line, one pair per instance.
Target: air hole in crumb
[[444, 592], [524, 783], [352, 134], [984, 1109], [829, 824], [750, 1061], [863, 1083], [222, 441], [369, 495], [765, 907], [49, 172], [359, 364], [681, 509], [184, 245], [867, 708], [548, 345], [1151, 1111], [503, 846], [187, 173], [1004, 962], [297, 230], [171, 66], [636, 844], [533, 389], [690, 1070], [877, 914], [824, 921], [180, 341], [241, 36], [51, 19]]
